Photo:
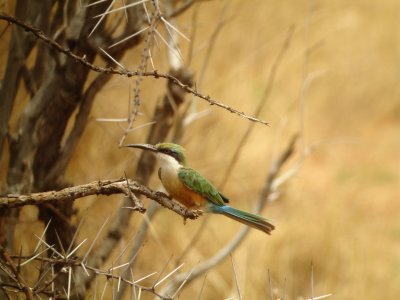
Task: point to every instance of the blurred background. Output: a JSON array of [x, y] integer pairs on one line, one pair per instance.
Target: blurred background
[[336, 85]]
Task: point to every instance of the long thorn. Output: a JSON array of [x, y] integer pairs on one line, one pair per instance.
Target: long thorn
[[69, 281], [76, 248], [183, 283], [144, 277], [174, 28], [168, 275], [95, 3], [95, 239], [75, 234], [112, 58], [119, 8], [320, 297], [101, 19], [50, 247], [129, 37], [33, 257], [44, 232]]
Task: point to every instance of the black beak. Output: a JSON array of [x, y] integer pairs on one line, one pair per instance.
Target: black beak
[[143, 146]]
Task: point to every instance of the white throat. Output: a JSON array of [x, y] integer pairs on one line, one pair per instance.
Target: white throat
[[168, 162], [169, 173]]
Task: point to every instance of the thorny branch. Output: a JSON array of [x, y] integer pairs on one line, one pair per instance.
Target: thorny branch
[[11, 269], [101, 187], [124, 72], [120, 186], [69, 262]]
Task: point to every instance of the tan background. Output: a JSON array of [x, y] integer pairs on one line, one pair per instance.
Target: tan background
[[341, 212]]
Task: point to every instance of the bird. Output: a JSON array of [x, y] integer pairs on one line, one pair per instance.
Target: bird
[[193, 190]]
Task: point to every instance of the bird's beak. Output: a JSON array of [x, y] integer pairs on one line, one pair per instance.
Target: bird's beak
[[143, 146]]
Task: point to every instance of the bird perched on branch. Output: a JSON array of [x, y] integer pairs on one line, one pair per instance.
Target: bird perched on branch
[[190, 188]]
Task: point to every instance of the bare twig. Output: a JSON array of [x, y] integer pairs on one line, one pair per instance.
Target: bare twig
[[109, 70], [312, 281], [138, 205], [236, 278], [70, 263], [271, 290], [104, 187], [20, 47], [202, 287], [10, 266]]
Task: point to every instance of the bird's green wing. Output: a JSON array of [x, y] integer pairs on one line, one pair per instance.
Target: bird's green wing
[[197, 183]]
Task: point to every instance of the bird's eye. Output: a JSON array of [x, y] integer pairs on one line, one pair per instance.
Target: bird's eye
[[166, 151], [171, 153], [175, 155]]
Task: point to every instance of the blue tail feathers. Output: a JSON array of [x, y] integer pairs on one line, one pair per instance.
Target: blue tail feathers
[[243, 217]]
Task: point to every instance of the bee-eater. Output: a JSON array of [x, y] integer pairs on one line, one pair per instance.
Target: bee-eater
[[190, 188]]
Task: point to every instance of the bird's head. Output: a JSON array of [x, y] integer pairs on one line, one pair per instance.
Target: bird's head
[[172, 150]]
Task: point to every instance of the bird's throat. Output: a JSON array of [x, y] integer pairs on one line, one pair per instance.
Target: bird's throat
[[169, 176], [169, 169]]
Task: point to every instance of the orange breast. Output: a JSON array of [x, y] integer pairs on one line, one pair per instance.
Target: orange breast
[[173, 185], [188, 198]]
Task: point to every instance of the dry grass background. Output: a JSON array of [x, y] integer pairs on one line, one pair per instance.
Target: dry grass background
[[340, 212]]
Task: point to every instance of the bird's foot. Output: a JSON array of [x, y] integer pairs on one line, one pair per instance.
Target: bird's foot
[[192, 214]]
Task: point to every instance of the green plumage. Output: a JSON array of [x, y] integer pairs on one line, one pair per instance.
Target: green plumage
[[174, 150], [197, 183], [194, 181], [198, 187]]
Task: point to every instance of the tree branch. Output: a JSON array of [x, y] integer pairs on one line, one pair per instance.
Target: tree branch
[[10, 267], [109, 70], [101, 187], [20, 47]]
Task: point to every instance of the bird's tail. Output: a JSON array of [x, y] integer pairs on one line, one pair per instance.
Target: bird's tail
[[243, 217]]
